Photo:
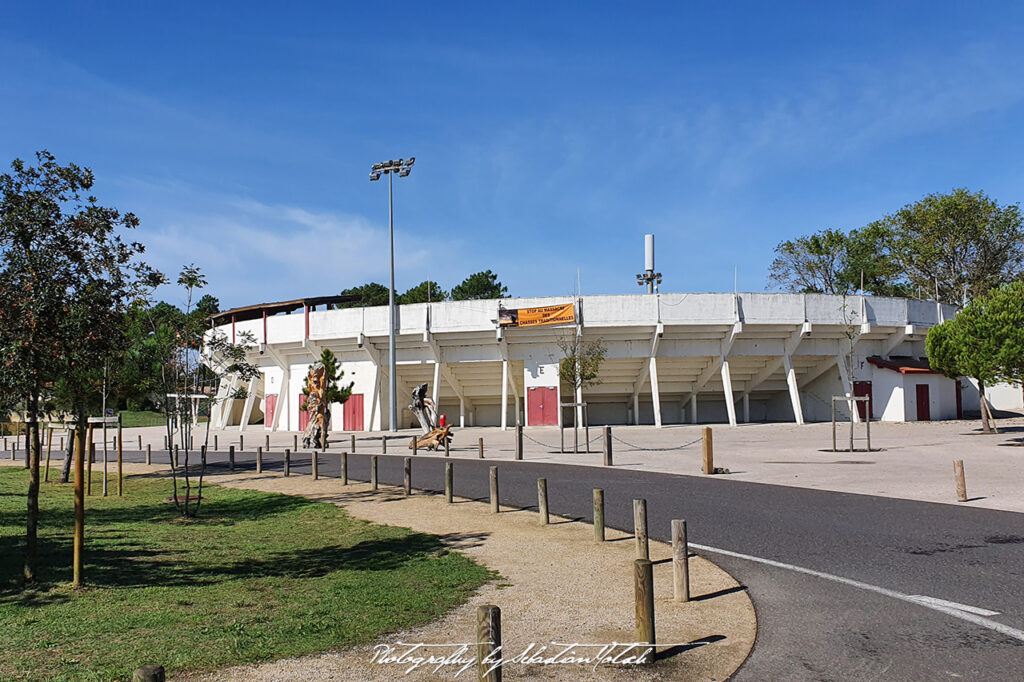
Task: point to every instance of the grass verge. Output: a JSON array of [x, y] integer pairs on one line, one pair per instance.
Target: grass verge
[[259, 576]]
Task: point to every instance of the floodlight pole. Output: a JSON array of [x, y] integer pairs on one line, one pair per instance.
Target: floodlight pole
[[392, 373], [389, 168]]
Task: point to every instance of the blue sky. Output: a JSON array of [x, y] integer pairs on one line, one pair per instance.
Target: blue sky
[[548, 137]]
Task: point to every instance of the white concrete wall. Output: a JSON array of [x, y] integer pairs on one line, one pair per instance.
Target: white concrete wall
[[941, 396], [888, 395]]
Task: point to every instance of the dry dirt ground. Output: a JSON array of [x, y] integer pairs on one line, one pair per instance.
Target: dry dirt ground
[[557, 584]]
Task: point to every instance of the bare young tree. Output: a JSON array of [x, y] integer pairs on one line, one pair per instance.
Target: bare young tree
[[580, 367]]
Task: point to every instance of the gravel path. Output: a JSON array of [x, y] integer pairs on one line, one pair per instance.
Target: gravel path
[[557, 585]]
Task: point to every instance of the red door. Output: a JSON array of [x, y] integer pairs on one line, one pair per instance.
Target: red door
[[542, 406], [863, 388], [303, 415], [268, 412], [924, 413], [353, 412], [959, 400]]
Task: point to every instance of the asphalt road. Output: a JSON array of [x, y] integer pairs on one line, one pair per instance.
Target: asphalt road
[[809, 628]]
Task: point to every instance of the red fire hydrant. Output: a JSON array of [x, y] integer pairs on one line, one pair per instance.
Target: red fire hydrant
[[440, 422]]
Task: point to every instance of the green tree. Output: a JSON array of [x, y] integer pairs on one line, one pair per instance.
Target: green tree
[[810, 264], [423, 292], [833, 262], [479, 285], [66, 280], [369, 294], [985, 341], [961, 243]]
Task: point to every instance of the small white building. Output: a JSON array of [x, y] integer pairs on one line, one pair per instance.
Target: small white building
[[671, 358]]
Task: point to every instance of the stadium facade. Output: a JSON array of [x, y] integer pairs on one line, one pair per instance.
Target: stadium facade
[[670, 359]]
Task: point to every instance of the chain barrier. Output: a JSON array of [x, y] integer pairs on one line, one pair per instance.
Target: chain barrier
[[614, 437], [646, 449]]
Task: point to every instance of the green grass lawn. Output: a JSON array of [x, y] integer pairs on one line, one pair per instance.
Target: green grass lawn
[[145, 418], [257, 577]]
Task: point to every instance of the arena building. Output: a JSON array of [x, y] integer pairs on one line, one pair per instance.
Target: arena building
[[671, 358]]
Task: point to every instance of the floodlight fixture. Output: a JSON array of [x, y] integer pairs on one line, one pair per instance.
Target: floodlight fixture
[[404, 172], [374, 177], [410, 161]]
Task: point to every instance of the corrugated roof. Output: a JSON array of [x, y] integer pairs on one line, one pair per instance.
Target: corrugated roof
[[254, 312]]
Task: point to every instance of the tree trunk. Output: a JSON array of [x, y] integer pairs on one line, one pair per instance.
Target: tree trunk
[[984, 413], [32, 443], [65, 470]]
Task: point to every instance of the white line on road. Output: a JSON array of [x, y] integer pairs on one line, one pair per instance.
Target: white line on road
[[960, 611], [924, 599]]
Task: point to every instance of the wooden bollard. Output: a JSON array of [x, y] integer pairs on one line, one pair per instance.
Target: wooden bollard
[[414, 445], [599, 514], [266, 442], [640, 529], [316, 465], [167, 446], [494, 490], [448, 476], [62, 442], [120, 465], [344, 468], [149, 673], [488, 643], [259, 460], [680, 561], [607, 446], [215, 445], [140, 442], [407, 479], [241, 442], [480, 447], [373, 472], [961, 483], [149, 453], [643, 591], [231, 456], [287, 462], [708, 450], [542, 500], [176, 459], [383, 444], [447, 447], [202, 454], [519, 441], [295, 442], [352, 443]]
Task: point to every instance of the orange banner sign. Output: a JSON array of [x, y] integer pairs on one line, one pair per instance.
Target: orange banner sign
[[536, 317]]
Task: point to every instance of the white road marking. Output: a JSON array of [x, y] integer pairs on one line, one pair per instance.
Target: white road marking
[[969, 614], [925, 599]]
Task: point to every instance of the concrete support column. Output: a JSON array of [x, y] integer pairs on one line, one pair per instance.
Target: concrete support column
[[462, 413], [655, 394], [794, 390], [693, 407], [746, 408], [844, 376], [730, 402], [250, 397], [504, 395], [636, 409], [436, 387]]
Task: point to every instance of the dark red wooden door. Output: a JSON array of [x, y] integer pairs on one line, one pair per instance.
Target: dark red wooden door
[[303, 415], [542, 406], [924, 413], [353, 412], [863, 388], [268, 412]]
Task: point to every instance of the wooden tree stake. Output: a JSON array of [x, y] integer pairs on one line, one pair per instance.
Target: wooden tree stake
[[643, 590], [708, 451], [961, 483], [599, 514], [488, 642], [640, 529]]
